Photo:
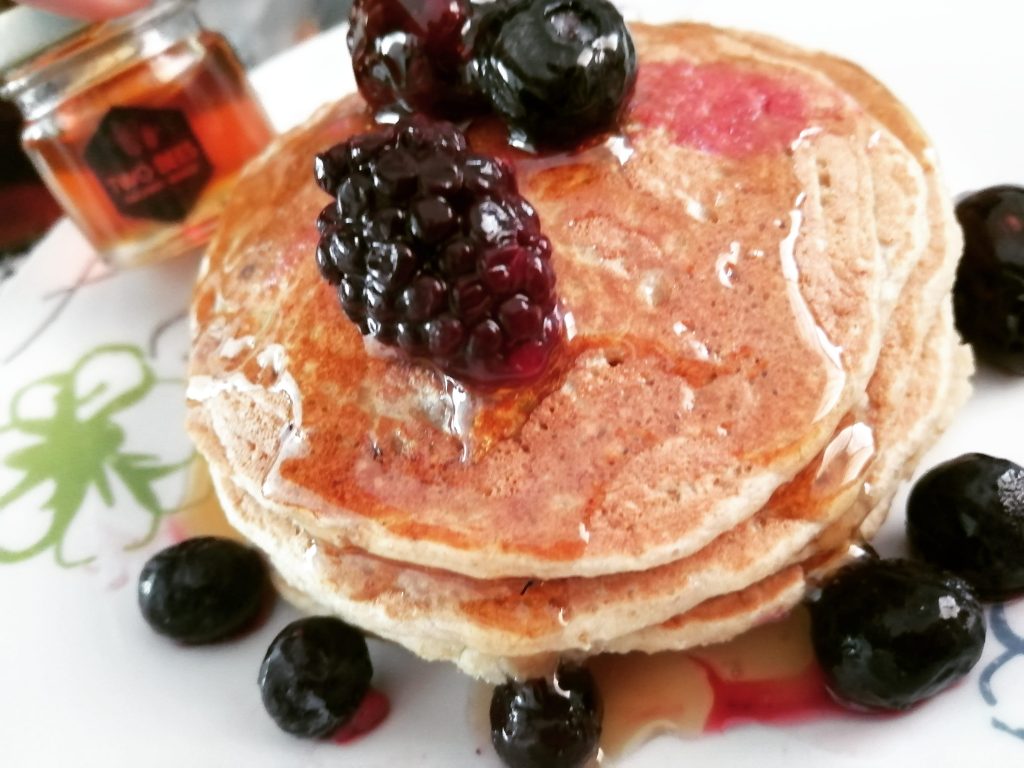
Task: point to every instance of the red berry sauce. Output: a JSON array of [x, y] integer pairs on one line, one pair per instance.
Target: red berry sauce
[[720, 108], [786, 700], [373, 711]]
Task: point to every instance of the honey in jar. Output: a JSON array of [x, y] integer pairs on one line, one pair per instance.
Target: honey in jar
[[138, 126]]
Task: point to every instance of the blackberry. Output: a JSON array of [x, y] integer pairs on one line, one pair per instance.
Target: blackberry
[[547, 724], [413, 55], [558, 71], [967, 516], [315, 675], [989, 292], [890, 633], [433, 250], [203, 589]]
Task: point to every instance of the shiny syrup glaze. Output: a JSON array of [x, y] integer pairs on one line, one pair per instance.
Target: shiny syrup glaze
[[544, 608]]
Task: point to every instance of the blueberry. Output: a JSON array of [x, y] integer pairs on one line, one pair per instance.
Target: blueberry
[[967, 516], [891, 633], [557, 71], [203, 589], [989, 293], [315, 675], [543, 723]]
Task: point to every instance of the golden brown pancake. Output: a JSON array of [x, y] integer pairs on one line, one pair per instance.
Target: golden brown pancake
[[357, 582], [922, 408], [934, 274], [746, 328], [700, 450], [492, 627]]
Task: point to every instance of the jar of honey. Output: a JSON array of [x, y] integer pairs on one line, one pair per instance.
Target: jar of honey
[[138, 126]]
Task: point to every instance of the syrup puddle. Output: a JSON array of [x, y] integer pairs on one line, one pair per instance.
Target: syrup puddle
[[645, 696], [200, 513], [767, 675]]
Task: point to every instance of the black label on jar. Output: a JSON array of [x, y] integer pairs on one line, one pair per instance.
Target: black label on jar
[[149, 162]]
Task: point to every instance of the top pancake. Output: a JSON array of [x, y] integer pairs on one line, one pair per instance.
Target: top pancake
[[727, 286]]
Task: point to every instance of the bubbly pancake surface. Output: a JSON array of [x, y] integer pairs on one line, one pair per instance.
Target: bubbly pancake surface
[[726, 315]]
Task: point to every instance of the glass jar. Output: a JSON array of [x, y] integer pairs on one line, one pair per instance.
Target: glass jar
[[139, 127]]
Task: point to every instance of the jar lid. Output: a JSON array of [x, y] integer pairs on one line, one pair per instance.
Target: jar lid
[[27, 31]]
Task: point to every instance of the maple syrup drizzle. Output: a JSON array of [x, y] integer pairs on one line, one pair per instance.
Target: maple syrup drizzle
[[200, 512]]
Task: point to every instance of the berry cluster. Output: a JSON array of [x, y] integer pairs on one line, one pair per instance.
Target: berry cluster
[[433, 250], [316, 673], [557, 71]]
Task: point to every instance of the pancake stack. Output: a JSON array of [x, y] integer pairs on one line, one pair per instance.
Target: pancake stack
[[755, 277]]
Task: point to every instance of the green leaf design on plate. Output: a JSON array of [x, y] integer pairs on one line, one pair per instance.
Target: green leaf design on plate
[[75, 451]]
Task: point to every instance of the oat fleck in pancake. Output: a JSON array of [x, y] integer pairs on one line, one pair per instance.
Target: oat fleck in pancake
[[757, 275]]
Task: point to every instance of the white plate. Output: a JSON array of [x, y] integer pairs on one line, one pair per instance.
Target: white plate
[[84, 682]]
